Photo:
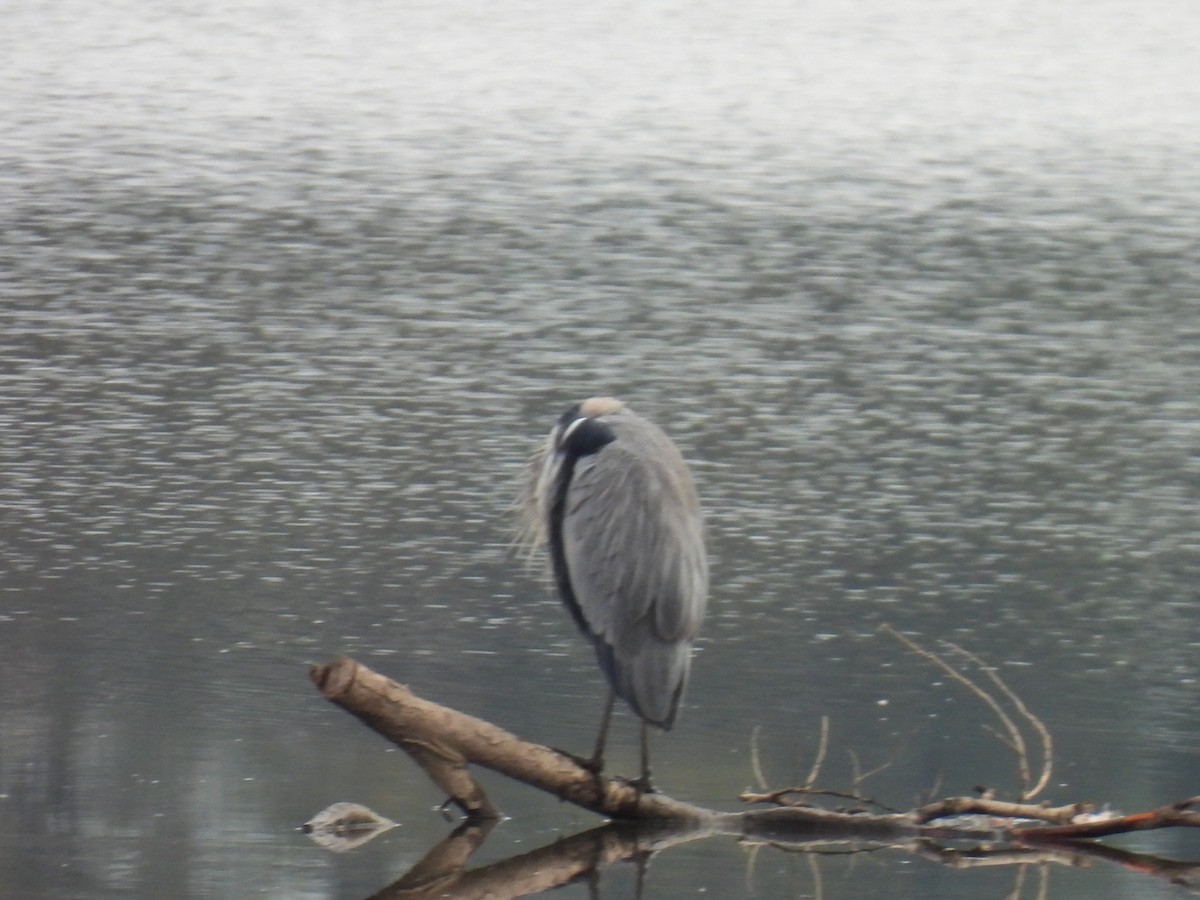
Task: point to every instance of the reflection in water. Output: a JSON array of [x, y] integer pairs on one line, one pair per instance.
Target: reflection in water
[[285, 298], [590, 855]]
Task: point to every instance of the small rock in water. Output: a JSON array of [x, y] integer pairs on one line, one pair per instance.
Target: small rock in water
[[344, 826]]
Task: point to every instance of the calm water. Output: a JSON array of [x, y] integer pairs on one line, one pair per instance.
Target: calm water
[[289, 291]]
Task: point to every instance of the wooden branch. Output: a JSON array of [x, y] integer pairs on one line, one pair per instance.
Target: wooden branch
[[788, 796], [443, 742], [1176, 815], [963, 806], [1038, 725], [430, 734], [1012, 737]]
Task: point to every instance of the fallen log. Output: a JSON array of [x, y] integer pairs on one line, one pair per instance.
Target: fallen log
[[445, 743]]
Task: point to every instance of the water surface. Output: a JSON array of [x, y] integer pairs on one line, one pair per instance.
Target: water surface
[[288, 295]]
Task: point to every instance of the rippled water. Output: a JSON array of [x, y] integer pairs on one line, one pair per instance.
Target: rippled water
[[287, 294]]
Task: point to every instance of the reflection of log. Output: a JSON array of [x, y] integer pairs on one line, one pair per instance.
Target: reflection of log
[[441, 869], [442, 872], [1178, 872]]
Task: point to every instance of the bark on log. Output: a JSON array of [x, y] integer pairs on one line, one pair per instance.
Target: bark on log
[[444, 742], [1176, 815]]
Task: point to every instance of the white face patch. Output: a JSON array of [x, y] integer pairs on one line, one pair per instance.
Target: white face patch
[[566, 432]]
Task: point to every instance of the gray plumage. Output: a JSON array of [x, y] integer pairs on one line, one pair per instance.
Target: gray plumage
[[612, 499]]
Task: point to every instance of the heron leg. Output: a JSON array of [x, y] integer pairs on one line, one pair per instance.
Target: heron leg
[[595, 763], [597, 760], [644, 784]]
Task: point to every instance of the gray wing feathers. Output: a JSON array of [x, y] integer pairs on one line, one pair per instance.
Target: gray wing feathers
[[633, 537]]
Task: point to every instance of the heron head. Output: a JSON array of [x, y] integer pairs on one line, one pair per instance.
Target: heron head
[[581, 430]]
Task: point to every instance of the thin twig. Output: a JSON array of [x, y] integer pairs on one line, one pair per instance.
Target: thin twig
[[1177, 815], [999, 809], [780, 797], [1014, 734], [1038, 725], [855, 768], [934, 790], [860, 778], [822, 749], [755, 766]]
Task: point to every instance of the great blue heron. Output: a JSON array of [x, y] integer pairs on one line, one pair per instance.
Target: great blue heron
[[611, 498]]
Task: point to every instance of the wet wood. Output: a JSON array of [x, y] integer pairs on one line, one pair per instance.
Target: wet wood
[[445, 743]]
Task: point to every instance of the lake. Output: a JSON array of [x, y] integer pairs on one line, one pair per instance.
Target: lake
[[289, 293]]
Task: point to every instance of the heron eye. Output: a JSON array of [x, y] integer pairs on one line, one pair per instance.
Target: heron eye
[[584, 436]]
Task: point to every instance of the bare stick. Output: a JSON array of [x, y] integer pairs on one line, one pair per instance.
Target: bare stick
[[1179, 814], [1038, 725], [860, 777], [855, 767], [782, 797], [961, 806], [822, 748], [443, 742], [755, 765], [1015, 740]]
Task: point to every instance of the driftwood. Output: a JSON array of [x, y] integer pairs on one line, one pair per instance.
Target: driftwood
[[958, 832], [444, 743]]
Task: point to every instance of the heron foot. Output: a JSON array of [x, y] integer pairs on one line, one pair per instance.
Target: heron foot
[[643, 785], [593, 764]]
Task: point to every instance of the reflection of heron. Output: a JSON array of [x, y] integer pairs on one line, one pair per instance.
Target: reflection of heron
[[613, 501]]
